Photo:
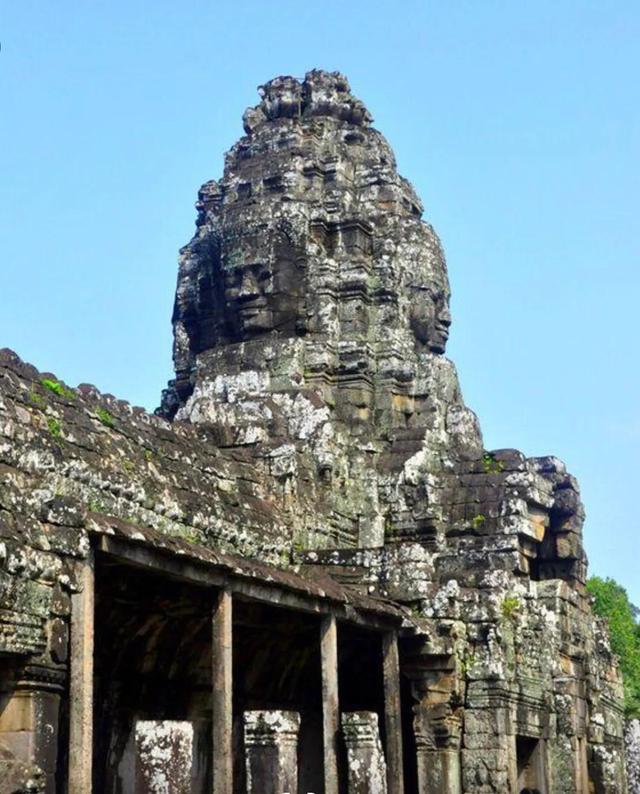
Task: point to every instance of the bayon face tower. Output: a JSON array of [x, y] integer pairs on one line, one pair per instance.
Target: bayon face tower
[[311, 313], [404, 601]]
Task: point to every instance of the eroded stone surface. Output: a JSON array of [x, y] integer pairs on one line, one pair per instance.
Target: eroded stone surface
[[271, 751], [632, 741], [315, 424], [164, 757], [367, 770]]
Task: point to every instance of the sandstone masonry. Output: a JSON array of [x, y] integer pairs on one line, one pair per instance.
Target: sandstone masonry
[[309, 533]]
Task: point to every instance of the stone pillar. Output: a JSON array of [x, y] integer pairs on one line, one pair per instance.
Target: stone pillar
[[437, 722], [222, 717], [367, 770], [632, 747], [330, 714], [271, 751], [164, 757], [29, 727], [439, 771], [81, 682], [582, 765], [392, 713]]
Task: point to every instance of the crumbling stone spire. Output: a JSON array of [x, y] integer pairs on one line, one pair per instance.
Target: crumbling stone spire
[[313, 307]]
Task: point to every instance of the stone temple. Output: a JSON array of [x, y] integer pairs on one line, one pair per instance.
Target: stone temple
[[304, 573]]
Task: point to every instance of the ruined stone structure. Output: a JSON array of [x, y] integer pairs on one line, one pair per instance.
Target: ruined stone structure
[[306, 567]]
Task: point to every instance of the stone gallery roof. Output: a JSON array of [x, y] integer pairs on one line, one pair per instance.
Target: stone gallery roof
[[72, 450], [76, 463], [310, 585]]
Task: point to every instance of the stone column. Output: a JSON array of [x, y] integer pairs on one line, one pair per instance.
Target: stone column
[[271, 751], [632, 747], [29, 728], [367, 770], [222, 717], [392, 713], [330, 714], [437, 736], [436, 725], [81, 682]]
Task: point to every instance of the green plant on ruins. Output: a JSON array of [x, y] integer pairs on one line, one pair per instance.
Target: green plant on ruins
[[36, 399], [57, 388], [467, 662], [612, 603], [478, 521], [510, 607], [55, 428], [105, 417], [491, 464], [96, 506]]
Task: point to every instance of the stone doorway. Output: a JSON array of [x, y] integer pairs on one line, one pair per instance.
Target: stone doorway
[[531, 766]]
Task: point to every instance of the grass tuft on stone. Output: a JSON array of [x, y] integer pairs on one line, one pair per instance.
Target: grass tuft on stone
[[55, 428], [57, 388], [105, 417]]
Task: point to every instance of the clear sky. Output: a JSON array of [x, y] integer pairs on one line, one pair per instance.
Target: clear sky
[[517, 122]]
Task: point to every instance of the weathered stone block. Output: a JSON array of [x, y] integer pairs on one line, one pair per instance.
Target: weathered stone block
[[366, 767], [164, 757], [271, 747]]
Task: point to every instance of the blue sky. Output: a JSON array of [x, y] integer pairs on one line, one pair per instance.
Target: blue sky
[[517, 122]]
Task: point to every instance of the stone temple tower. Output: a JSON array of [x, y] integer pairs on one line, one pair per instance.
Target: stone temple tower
[[311, 317], [310, 324], [385, 594]]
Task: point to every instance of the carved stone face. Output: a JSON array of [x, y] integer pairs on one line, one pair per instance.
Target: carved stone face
[[267, 296], [429, 316], [328, 94], [281, 98], [247, 291]]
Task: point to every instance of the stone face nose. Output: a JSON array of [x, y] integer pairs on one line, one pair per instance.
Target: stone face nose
[[444, 316], [248, 287]]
